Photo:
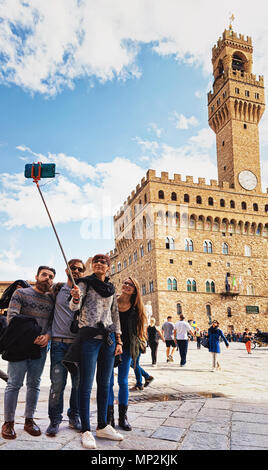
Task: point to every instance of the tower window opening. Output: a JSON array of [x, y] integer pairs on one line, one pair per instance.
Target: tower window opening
[[223, 143], [245, 126], [186, 198], [247, 93], [237, 63], [222, 203], [257, 96], [237, 91], [161, 194]]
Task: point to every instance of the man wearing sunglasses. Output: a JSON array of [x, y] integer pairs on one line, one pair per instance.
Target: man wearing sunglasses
[[62, 338]]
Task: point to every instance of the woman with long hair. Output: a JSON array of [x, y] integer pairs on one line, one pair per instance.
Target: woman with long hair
[[132, 320], [214, 335]]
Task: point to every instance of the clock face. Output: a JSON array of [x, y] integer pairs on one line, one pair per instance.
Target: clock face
[[247, 179]]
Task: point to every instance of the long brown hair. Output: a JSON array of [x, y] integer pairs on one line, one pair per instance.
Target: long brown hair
[[137, 302]]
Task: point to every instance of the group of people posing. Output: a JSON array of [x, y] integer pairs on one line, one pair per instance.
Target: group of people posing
[[89, 329]]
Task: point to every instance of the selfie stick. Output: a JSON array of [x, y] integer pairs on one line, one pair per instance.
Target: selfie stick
[[36, 179]]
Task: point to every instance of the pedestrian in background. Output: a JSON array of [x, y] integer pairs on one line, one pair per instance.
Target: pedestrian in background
[[198, 337], [247, 340], [168, 330], [214, 336], [153, 335], [181, 330]]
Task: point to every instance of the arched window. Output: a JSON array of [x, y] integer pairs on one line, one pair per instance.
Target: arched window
[[244, 206], [250, 290], [188, 244], [172, 283], [149, 246], [161, 194], [141, 251], [143, 289], [198, 200], [266, 208], [170, 245], [210, 201], [118, 267], [191, 285], [255, 207], [207, 246], [247, 250], [125, 263], [225, 249], [229, 312], [222, 203], [210, 286], [186, 198], [179, 309], [173, 196], [232, 204], [113, 269]]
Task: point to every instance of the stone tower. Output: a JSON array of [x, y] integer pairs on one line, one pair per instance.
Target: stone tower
[[235, 108]]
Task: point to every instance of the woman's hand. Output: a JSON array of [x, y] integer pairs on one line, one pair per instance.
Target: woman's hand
[[118, 350], [75, 293]]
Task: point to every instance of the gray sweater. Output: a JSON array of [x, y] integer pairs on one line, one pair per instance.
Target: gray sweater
[[31, 303], [97, 309]]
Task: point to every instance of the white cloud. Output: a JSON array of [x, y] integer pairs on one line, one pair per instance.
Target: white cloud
[[102, 39], [182, 122], [149, 146], [155, 129]]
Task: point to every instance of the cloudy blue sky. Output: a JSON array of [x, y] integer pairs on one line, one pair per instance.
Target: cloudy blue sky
[[105, 89]]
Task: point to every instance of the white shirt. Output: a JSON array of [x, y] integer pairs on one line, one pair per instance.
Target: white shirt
[[181, 329]]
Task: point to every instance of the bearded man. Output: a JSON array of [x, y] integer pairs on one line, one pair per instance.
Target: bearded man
[[32, 304]]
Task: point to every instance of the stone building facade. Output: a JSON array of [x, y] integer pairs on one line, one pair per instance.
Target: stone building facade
[[198, 248]]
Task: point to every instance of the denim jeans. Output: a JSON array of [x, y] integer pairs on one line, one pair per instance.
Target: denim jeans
[[33, 369], [123, 371], [139, 371], [58, 377], [183, 348], [95, 353]]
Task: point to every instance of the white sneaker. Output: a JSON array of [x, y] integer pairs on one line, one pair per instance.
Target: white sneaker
[[88, 440], [109, 433]]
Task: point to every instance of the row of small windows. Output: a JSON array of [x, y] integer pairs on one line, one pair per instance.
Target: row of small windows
[[198, 200], [247, 93], [207, 246], [170, 245], [191, 286]]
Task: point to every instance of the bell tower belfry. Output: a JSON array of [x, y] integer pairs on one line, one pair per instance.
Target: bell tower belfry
[[235, 108]]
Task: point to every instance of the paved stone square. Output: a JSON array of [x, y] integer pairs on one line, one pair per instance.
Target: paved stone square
[[187, 408]]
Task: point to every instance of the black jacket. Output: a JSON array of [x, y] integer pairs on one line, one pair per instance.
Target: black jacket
[[17, 341]]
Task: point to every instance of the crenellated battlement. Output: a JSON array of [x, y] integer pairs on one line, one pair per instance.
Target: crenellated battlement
[[231, 38], [246, 78]]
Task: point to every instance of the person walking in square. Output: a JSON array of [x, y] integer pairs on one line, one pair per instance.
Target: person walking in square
[[153, 335], [181, 330], [247, 340], [214, 335], [168, 331]]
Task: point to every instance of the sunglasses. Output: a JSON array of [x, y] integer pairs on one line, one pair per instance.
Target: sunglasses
[[76, 268], [126, 283], [102, 261]]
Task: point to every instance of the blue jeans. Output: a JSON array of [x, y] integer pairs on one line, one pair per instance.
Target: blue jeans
[[95, 352], [123, 371], [139, 371], [33, 369], [183, 348], [58, 377]]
